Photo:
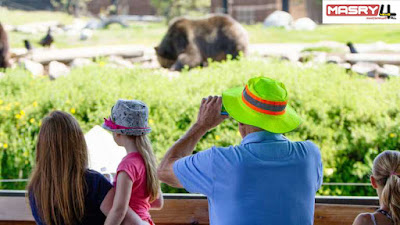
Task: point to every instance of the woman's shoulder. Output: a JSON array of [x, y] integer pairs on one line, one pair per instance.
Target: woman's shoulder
[[92, 174], [94, 177], [363, 219]]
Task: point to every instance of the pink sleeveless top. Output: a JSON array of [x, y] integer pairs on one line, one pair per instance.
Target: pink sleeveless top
[[133, 165]]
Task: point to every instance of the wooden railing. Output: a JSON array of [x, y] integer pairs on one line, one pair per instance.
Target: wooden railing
[[182, 209]]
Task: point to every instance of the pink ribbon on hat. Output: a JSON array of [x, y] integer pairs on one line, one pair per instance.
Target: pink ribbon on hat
[[394, 173], [109, 123]]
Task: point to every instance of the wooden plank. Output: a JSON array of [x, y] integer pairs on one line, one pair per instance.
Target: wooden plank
[[181, 211], [14, 208], [326, 214]]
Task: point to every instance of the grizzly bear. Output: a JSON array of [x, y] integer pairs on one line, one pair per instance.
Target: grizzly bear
[[4, 47], [190, 42]]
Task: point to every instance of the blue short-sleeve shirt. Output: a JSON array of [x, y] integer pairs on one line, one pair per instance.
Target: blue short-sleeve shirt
[[97, 189], [267, 179]]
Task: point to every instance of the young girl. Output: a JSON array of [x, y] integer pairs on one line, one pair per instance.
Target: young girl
[[385, 179], [136, 184], [62, 190]]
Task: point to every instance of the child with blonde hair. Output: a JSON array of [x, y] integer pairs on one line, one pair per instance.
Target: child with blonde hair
[[136, 183], [385, 179]]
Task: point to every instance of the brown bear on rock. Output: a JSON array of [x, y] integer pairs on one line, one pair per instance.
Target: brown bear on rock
[[4, 47], [191, 42]]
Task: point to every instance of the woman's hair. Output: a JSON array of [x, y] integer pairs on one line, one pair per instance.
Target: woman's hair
[[57, 183], [386, 172], [143, 145]]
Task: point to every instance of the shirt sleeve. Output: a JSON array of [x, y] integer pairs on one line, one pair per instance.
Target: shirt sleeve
[[102, 186], [35, 213], [128, 169], [195, 172], [320, 173], [318, 159]]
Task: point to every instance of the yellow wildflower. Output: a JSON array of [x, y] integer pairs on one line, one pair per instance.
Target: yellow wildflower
[[101, 64], [18, 116], [72, 110], [217, 137], [1, 102], [151, 121], [25, 154], [22, 113], [329, 171], [32, 120], [17, 103], [392, 135], [8, 107], [238, 133], [35, 104], [5, 145]]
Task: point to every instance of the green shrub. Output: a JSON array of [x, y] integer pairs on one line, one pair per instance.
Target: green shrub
[[351, 118]]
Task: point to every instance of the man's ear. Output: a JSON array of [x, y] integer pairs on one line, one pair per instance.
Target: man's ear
[[373, 182]]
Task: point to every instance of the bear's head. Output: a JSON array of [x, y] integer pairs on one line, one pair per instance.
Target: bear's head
[[173, 44]]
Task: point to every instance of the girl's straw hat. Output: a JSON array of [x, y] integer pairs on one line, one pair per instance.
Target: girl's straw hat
[[128, 117]]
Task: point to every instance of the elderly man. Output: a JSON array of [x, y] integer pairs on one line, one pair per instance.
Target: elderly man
[[266, 179]]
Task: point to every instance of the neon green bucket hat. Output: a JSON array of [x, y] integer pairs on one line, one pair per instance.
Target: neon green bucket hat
[[262, 103]]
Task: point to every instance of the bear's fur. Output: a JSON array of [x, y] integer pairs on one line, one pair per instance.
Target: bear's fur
[[4, 48], [191, 42]]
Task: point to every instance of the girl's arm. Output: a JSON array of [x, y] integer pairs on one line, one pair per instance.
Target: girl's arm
[[120, 204], [159, 202], [131, 217], [363, 219]]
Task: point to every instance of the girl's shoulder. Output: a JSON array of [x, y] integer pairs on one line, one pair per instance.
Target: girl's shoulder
[[132, 162], [133, 158]]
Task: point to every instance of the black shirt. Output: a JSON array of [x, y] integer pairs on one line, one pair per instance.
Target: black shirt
[[97, 189]]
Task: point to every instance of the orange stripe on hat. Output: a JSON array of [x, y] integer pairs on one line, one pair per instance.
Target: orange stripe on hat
[[262, 105]]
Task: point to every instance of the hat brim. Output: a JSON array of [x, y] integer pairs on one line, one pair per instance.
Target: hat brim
[[237, 109], [133, 132]]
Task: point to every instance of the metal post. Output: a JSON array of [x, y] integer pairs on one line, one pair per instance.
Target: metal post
[[285, 5], [225, 6]]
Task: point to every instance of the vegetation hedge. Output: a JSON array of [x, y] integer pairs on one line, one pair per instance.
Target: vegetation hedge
[[351, 118]]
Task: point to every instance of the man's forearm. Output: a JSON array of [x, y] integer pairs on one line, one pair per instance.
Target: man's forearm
[[183, 147], [186, 144]]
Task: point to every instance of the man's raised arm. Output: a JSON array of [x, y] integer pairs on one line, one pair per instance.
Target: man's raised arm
[[209, 117]]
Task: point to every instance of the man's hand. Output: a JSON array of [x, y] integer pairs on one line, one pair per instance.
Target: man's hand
[[210, 113], [208, 118]]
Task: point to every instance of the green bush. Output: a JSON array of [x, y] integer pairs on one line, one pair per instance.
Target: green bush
[[351, 118]]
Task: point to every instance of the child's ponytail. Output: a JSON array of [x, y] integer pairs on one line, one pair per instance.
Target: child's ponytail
[[386, 171], [391, 197], [144, 147]]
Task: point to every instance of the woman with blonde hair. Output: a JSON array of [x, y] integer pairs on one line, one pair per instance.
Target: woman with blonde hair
[[385, 179], [62, 190]]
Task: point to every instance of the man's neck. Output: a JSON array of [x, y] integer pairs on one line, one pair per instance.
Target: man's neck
[[250, 129]]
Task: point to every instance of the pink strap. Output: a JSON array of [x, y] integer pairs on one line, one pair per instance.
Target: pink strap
[[109, 123]]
